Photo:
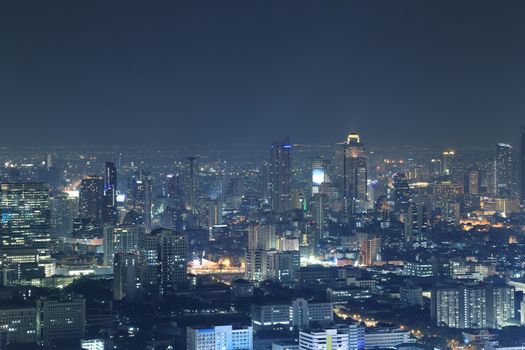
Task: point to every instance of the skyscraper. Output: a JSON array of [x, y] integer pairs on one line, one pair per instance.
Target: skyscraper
[[449, 156], [354, 170], [401, 192], [110, 194], [280, 177], [163, 259], [503, 170], [126, 281], [319, 173], [25, 215], [191, 184], [121, 239], [473, 181], [91, 199], [522, 164], [416, 223]]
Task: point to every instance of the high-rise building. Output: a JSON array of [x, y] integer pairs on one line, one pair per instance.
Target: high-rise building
[[370, 248], [121, 239], [282, 266], [416, 223], [163, 260], [445, 308], [62, 318], [126, 277], [230, 337], [140, 198], [20, 323], [256, 265], [280, 177], [323, 339], [306, 313], [319, 174], [500, 305], [191, 184], [401, 193], [503, 170], [214, 212], [91, 199], [64, 210], [26, 215], [522, 165], [354, 170], [110, 194], [449, 157], [473, 181]]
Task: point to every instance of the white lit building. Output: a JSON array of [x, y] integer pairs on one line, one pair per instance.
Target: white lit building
[[220, 337]]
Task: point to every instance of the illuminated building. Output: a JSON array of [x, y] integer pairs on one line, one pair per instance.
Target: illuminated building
[[416, 223], [448, 161], [319, 174], [522, 164], [91, 199], [473, 181], [305, 313], [63, 318], [401, 193], [256, 265], [370, 248], [500, 305], [445, 308], [163, 261], [271, 315], [64, 210], [121, 239], [214, 213], [191, 184], [280, 177], [445, 192], [385, 338], [323, 339], [19, 323], [354, 170], [25, 215], [126, 278], [503, 170], [219, 337], [140, 198], [110, 194], [282, 266]]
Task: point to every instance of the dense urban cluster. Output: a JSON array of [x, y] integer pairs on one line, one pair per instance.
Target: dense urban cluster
[[287, 246]]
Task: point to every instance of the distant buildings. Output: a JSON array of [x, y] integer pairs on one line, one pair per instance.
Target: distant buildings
[[91, 199], [280, 177], [219, 337]]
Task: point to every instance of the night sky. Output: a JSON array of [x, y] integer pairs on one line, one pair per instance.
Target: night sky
[[430, 73]]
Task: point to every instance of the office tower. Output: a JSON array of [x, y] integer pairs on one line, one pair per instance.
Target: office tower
[[370, 248], [141, 198], [20, 323], [323, 339], [401, 193], [446, 192], [163, 259], [26, 215], [91, 199], [503, 170], [416, 223], [121, 239], [110, 194], [230, 337], [473, 181], [62, 318], [64, 210], [214, 212], [262, 236], [449, 156], [354, 170], [191, 184], [126, 281], [522, 164], [500, 305], [280, 177], [282, 266], [319, 174], [304, 313], [256, 265], [270, 315], [356, 335]]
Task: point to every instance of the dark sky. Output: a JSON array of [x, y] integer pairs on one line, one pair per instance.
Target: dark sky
[[433, 73]]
